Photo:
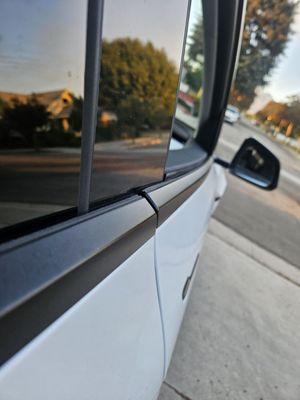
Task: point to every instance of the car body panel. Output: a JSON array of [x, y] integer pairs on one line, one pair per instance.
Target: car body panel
[[178, 243], [108, 345]]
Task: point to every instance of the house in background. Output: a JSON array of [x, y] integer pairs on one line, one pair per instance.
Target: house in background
[[59, 103]]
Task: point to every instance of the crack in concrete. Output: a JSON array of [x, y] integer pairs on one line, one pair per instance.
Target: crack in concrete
[[180, 394]]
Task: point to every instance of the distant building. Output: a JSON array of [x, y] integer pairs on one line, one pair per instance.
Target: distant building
[[260, 101]]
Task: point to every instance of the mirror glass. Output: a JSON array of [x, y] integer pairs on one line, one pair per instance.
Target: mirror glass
[[256, 164]]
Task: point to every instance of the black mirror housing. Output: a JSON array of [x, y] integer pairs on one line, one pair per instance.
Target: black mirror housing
[[255, 164]]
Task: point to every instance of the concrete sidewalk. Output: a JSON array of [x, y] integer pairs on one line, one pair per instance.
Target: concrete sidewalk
[[240, 337]]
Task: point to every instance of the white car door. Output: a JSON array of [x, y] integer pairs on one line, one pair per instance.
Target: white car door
[[194, 183], [85, 323], [178, 241]]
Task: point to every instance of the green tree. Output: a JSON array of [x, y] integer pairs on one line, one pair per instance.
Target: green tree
[[136, 76], [266, 33], [195, 41]]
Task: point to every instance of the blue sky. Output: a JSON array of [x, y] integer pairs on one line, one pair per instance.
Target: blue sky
[[42, 42], [42, 45], [160, 21], [40, 51], [285, 79]]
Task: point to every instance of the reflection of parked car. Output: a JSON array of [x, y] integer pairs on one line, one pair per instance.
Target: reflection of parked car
[[232, 114]]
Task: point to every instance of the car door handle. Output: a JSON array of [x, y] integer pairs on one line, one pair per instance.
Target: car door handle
[[189, 279]]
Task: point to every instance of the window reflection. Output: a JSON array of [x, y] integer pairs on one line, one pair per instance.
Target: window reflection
[[42, 54], [141, 54], [191, 80]]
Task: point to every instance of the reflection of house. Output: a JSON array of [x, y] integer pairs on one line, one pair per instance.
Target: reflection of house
[[59, 103]]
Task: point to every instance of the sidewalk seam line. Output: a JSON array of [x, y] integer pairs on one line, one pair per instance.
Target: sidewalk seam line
[[180, 394], [254, 243], [262, 263]]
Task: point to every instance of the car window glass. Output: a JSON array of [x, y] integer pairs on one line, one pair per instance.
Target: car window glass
[[141, 54], [42, 55], [191, 80]]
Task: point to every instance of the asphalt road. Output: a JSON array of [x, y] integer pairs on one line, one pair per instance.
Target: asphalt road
[[270, 219]]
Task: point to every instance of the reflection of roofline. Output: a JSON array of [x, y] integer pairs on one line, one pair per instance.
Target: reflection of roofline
[[57, 102], [35, 93], [9, 96], [64, 113]]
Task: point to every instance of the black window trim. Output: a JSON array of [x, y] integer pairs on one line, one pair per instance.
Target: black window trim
[[94, 22], [225, 46], [169, 195], [91, 97], [222, 24], [196, 152], [193, 155], [58, 274]]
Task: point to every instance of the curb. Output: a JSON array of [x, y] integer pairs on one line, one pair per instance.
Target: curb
[[264, 257]]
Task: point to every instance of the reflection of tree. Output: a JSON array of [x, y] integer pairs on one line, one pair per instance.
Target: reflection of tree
[[194, 56], [76, 114], [266, 33], [138, 83], [40, 120], [26, 119]]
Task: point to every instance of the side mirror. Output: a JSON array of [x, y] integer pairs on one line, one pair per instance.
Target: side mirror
[[254, 163]]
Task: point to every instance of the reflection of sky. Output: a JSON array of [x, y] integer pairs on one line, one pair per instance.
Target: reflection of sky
[[285, 80], [196, 11], [42, 42], [160, 21], [42, 45]]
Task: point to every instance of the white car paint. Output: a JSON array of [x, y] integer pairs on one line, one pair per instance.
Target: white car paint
[[107, 346], [117, 341], [221, 185], [182, 235]]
